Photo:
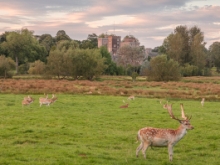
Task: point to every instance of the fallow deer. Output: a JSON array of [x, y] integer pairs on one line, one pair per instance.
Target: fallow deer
[[124, 106], [159, 137], [203, 101], [46, 101], [164, 105], [27, 100], [131, 97]]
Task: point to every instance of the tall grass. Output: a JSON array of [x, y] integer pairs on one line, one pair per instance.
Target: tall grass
[[92, 129], [195, 88]]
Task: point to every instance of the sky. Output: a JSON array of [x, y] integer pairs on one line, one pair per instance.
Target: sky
[[148, 21]]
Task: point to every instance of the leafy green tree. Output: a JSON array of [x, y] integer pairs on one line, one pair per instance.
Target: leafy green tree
[[88, 63], [197, 51], [214, 52], [162, 69], [61, 35], [59, 64], [90, 43], [186, 46], [93, 38], [111, 68], [23, 47], [6, 64], [65, 45], [47, 41], [37, 67]]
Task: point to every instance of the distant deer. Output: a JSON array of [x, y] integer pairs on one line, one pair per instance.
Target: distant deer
[[27, 100], [46, 101], [159, 137], [164, 105], [203, 101], [124, 106], [131, 97]]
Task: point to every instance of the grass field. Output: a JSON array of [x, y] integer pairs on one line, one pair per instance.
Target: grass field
[[92, 129]]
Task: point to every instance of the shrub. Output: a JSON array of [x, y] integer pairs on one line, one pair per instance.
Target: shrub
[[162, 69]]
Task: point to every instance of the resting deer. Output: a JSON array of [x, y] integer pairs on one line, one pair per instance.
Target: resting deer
[[203, 101], [159, 137], [46, 101], [124, 106], [27, 100]]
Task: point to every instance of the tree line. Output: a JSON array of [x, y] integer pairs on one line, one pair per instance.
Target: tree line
[[183, 53]]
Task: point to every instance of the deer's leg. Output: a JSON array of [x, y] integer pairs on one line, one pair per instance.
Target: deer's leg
[[170, 151], [139, 148], [145, 146]]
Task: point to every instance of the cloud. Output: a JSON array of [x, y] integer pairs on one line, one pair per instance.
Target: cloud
[[150, 21]]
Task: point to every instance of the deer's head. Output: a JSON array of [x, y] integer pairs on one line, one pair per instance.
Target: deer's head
[[185, 122]]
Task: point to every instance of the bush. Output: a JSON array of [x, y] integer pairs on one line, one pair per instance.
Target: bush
[[162, 69]]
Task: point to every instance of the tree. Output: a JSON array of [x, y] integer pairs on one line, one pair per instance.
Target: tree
[[47, 41], [65, 45], [186, 46], [59, 64], [61, 35], [197, 51], [6, 64], [162, 69], [38, 68], [93, 39], [111, 68], [90, 43], [214, 52], [130, 57], [23, 47], [144, 67], [87, 63]]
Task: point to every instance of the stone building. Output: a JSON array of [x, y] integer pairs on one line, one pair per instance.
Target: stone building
[[111, 42]]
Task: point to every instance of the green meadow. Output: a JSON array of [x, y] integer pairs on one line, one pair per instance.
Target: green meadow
[[92, 129]]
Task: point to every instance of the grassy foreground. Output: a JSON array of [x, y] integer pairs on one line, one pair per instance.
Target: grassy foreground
[[92, 129]]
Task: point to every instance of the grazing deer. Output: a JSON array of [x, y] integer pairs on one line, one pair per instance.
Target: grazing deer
[[159, 137], [124, 106], [203, 101], [27, 100], [131, 97], [46, 101]]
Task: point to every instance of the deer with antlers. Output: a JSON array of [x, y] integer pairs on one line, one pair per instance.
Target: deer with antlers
[[47, 101], [159, 137]]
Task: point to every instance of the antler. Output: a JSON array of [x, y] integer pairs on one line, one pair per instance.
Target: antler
[[182, 112], [169, 108]]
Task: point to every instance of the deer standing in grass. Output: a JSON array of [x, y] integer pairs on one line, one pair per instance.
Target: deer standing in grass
[[131, 97], [159, 137], [46, 101], [27, 100], [203, 101]]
